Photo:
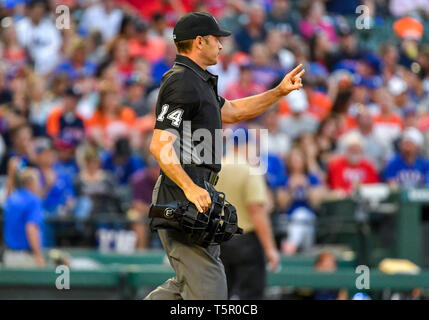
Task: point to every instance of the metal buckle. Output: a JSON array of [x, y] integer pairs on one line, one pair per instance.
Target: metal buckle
[[214, 179]]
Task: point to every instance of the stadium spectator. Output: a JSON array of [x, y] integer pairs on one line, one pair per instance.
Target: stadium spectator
[[281, 57], [56, 189], [22, 224], [326, 141], [227, 69], [159, 27], [20, 156], [161, 66], [314, 18], [78, 65], [348, 50], [326, 262], [320, 104], [280, 17], [320, 49], [264, 68], [245, 85], [111, 119], [314, 158], [58, 88], [151, 49], [389, 55], [407, 168], [299, 121], [39, 36], [301, 193], [103, 16], [398, 88], [95, 188], [136, 95], [119, 62], [40, 105], [14, 54], [278, 142], [95, 48], [373, 146], [388, 124], [64, 120], [254, 31], [414, 76], [348, 171], [121, 162], [142, 183], [66, 161]]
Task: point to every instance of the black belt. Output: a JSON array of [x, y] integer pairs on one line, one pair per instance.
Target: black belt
[[197, 171], [212, 176]]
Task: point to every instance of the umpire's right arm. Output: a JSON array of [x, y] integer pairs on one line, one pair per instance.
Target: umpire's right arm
[[162, 143]]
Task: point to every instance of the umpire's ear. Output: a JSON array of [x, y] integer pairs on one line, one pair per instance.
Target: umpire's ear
[[199, 42]]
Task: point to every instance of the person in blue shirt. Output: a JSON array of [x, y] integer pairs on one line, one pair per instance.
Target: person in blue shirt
[[407, 168], [301, 192], [254, 31], [22, 223], [163, 65], [66, 163], [78, 66], [276, 171], [57, 189], [121, 162]]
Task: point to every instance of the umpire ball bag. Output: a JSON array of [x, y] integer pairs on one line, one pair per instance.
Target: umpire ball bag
[[216, 225]]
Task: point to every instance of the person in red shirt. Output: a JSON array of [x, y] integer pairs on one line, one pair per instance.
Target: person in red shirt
[[151, 49], [172, 9], [245, 86], [347, 171]]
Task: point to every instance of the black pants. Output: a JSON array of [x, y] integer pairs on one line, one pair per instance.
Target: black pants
[[244, 261]]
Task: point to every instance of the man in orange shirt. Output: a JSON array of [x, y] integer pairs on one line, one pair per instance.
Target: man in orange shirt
[[64, 120]]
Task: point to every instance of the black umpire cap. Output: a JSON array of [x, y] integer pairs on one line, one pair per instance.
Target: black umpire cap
[[196, 24]]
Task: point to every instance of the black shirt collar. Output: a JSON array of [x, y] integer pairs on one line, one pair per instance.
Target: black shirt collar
[[185, 61]]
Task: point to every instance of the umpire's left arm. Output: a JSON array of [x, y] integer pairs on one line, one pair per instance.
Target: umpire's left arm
[[250, 107]]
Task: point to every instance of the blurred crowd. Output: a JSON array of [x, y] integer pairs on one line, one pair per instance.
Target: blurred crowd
[[77, 104]]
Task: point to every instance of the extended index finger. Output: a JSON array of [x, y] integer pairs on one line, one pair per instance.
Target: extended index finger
[[295, 71], [299, 75]]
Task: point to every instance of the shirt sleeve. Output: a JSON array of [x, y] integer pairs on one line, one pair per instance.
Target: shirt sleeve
[[335, 171], [178, 102], [389, 172], [372, 174], [314, 180], [256, 189], [34, 214], [221, 102]]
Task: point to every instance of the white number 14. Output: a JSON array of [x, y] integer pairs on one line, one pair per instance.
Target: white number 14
[[175, 116]]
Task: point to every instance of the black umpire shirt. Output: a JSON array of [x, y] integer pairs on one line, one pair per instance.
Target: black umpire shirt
[[188, 102]]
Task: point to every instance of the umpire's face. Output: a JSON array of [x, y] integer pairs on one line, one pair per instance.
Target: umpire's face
[[210, 47]]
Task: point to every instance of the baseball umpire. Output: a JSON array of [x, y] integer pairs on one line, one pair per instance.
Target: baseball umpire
[[188, 95]]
